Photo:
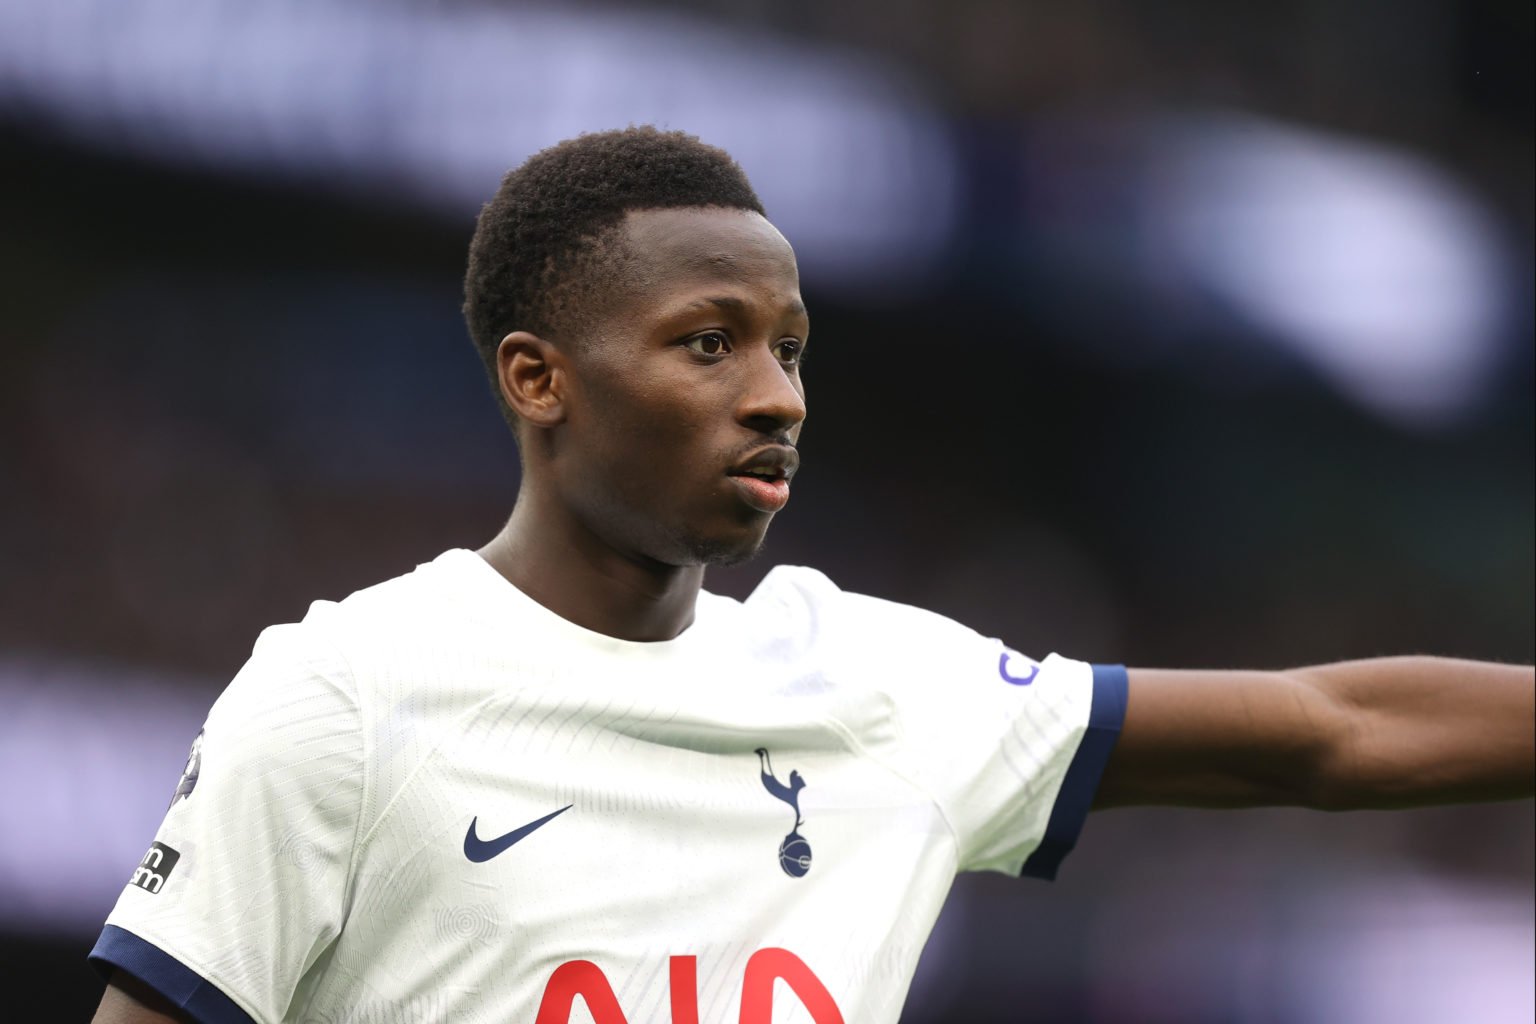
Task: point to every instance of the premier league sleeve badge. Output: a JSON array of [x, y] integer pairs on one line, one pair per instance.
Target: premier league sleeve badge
[[188, 781]]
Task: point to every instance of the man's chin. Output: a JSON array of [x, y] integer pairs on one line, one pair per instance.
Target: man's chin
[[726, 559], [723, 552]]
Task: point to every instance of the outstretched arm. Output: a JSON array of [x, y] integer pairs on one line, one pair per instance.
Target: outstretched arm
[[128, 1000], [1388, 732]]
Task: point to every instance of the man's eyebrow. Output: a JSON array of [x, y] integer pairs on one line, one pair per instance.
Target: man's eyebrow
[[731, 304]]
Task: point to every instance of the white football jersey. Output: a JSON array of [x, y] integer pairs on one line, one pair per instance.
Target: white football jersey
[[437, 800]]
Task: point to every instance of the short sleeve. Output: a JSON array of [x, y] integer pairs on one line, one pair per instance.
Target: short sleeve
[[243, 888], [1011, 749]]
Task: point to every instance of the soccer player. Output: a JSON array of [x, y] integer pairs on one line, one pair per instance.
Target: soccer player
[[555, 779]]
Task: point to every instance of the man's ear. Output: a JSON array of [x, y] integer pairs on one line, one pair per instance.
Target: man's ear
[[532, 374]]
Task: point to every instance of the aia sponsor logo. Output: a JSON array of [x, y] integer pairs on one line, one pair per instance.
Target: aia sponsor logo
[[585, 979], [155, 868]]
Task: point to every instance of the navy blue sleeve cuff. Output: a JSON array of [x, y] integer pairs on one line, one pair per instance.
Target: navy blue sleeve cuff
[[121, 949], [1083, 774]]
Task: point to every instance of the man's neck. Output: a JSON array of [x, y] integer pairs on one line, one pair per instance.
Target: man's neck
[[574, 574]]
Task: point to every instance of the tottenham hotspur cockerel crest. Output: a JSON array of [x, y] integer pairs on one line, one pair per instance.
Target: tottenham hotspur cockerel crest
[[794, 851]]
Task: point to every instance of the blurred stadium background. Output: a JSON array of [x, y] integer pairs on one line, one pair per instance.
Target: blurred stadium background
[[1185, 333]]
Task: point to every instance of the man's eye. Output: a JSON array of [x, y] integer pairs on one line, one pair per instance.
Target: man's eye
[[789, 351], [712, 344]]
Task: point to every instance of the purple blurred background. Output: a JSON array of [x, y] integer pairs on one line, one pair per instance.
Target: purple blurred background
[[1187, 334]]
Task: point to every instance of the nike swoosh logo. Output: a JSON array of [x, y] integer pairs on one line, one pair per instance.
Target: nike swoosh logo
[[1002, 670], [481, 850]]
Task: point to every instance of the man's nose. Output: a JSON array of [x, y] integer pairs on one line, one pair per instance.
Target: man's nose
[[772, 401]]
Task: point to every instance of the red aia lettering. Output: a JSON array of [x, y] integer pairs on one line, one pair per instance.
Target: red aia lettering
[[579, 978], [685, 990], [768, 966], [585, 979]]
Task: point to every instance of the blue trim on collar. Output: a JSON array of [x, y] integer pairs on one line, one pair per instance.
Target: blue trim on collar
[[121, 949], [1107, 714]]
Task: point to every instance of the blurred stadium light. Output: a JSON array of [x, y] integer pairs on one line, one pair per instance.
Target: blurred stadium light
[[438, 102], [1161, 233], [1370, 264], [1367, 264]]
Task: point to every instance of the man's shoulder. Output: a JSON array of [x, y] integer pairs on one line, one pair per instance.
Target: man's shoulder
[[397, 621], [422, 635], [413, 607], [445, 580], [809, 603]]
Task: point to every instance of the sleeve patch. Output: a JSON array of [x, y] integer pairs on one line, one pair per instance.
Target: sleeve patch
[[155, 868]]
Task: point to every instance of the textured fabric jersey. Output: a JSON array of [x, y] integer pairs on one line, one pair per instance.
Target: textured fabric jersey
[[437, 800]]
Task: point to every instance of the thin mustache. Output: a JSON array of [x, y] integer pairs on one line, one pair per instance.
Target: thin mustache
[[774, 441]]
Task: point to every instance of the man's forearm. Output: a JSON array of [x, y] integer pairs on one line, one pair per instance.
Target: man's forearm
[[1426, 730]]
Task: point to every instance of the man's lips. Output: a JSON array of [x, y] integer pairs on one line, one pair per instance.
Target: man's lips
[[763, 494], [763, 476]]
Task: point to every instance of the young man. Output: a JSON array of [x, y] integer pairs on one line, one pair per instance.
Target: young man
[[556, 780]]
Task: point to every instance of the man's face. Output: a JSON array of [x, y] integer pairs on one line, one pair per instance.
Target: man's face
[[686, 402]]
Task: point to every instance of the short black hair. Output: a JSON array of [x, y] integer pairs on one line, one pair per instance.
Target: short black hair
[[540, 256]]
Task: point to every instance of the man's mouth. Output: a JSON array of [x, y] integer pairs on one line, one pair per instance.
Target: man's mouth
[[764, 493], [763, 477]]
